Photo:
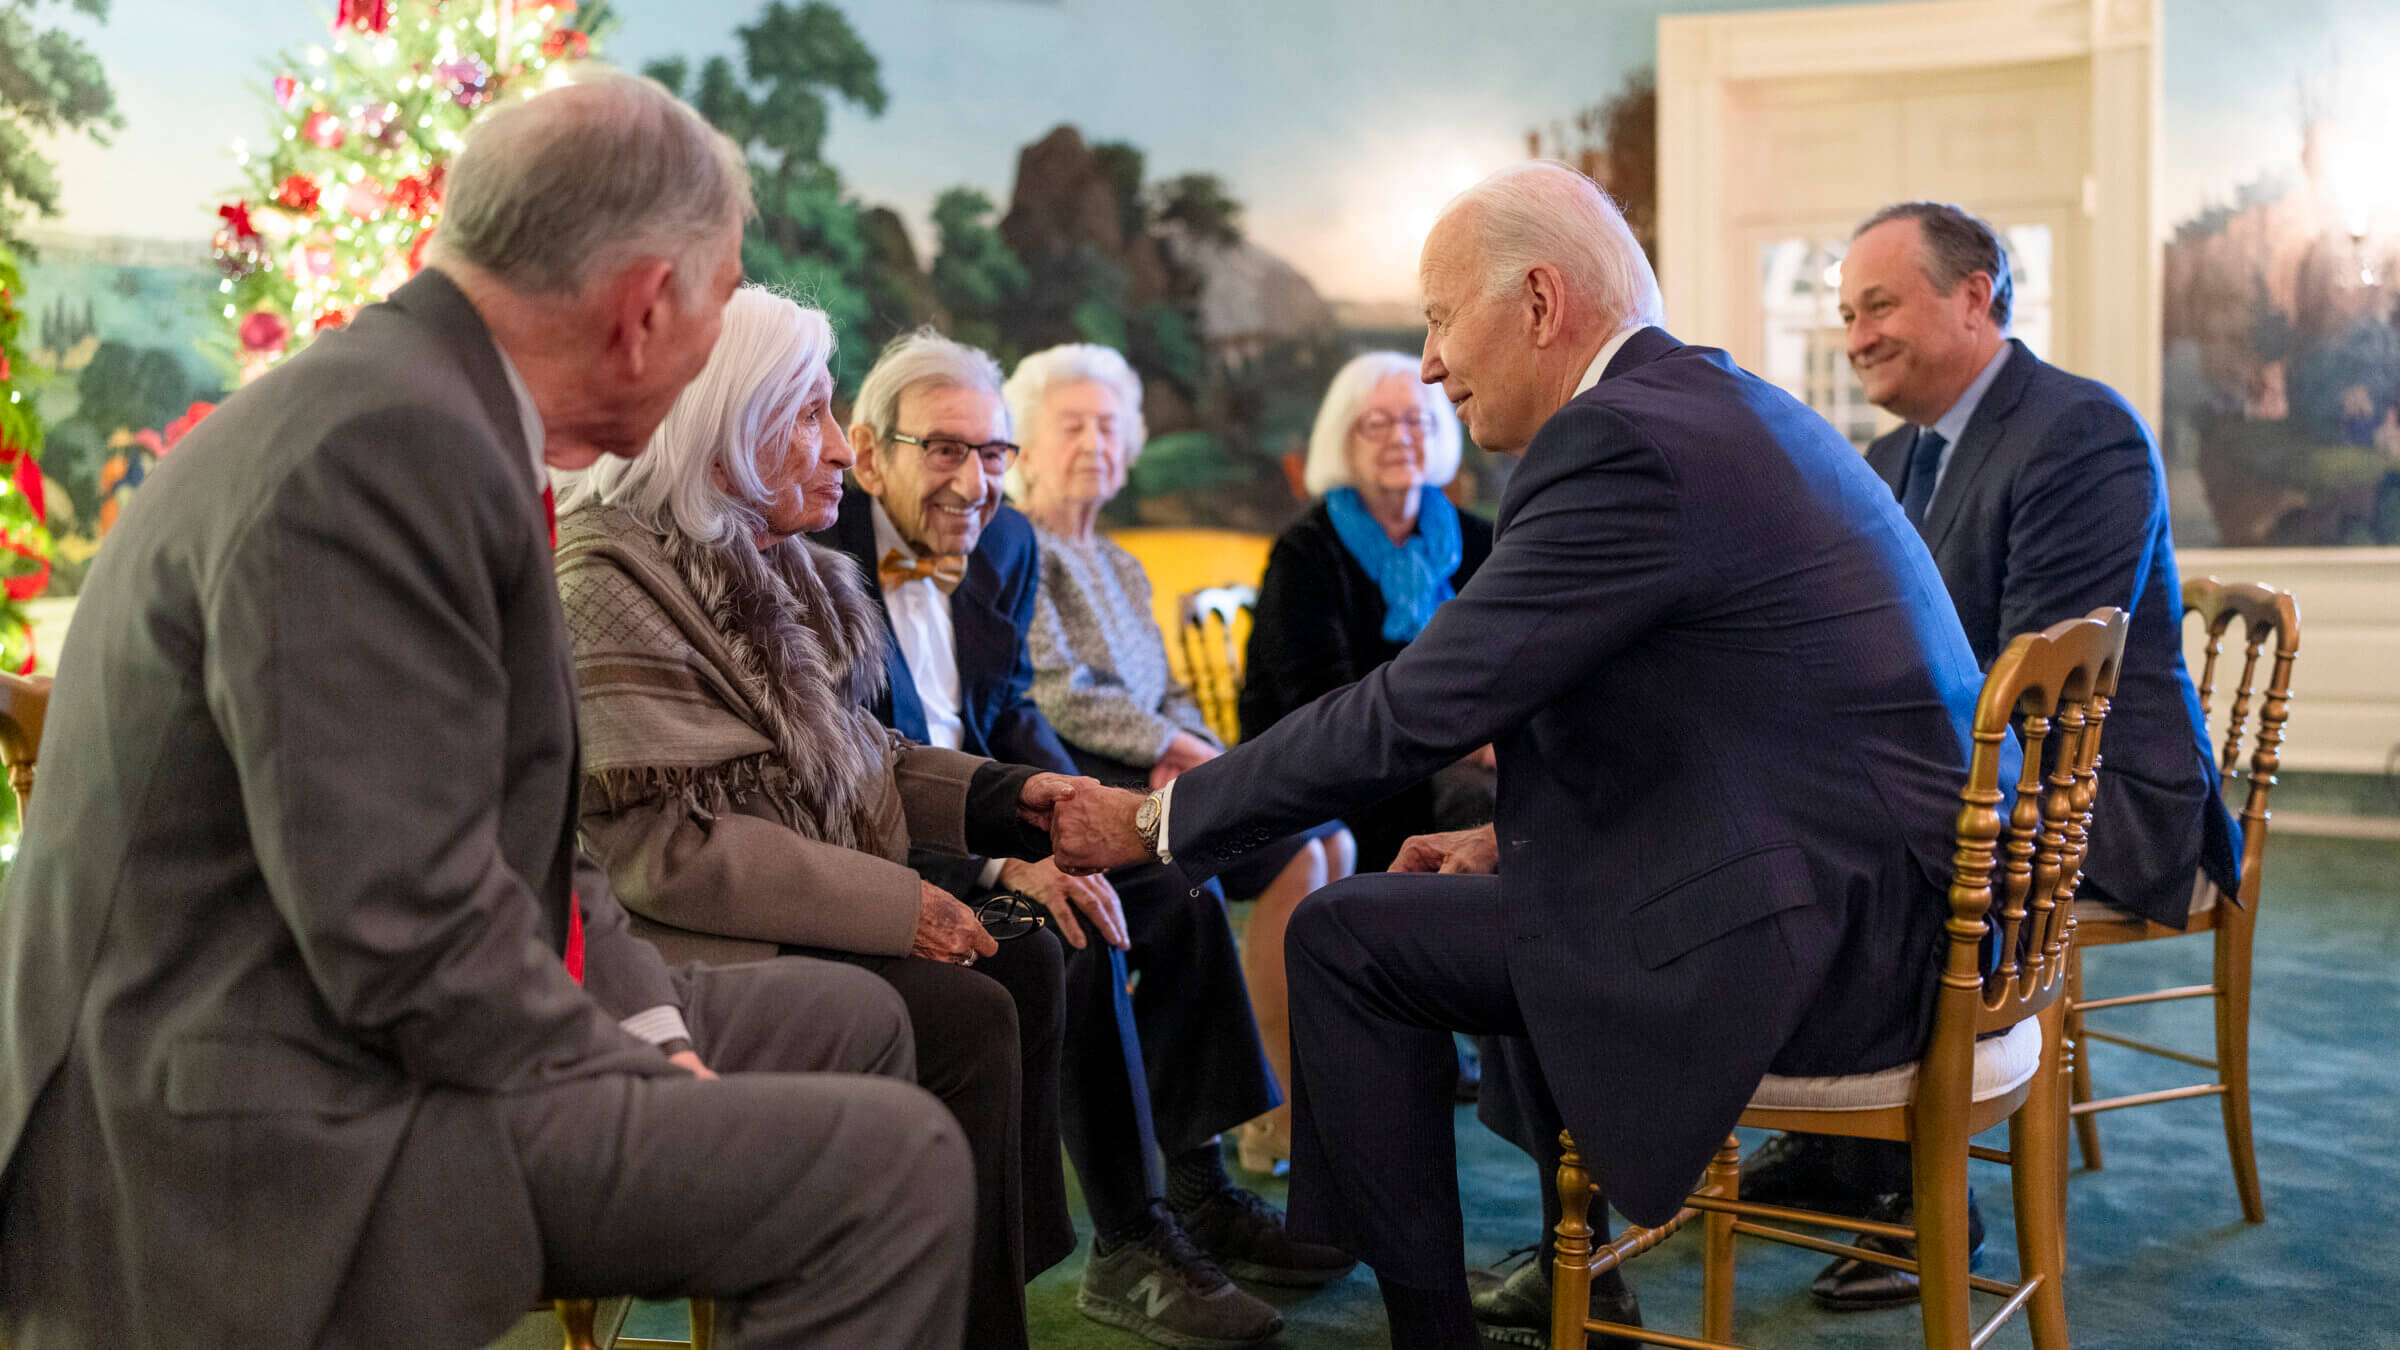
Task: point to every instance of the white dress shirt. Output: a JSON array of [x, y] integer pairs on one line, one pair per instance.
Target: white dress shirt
[[921, 621], [1953, 424], [665, 1022]]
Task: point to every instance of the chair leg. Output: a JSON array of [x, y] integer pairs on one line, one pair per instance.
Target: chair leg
[[1571, 1268], [2087, 1128], [575, 1318], [1939, 1167], [704, 1324], [2037, 1147], [1716, 1297], [2233, 1055]]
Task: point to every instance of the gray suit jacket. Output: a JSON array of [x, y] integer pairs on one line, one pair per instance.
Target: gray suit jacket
[[301, 857]]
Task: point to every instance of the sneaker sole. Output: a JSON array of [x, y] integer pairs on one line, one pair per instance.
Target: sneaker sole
[[1125, 1318], [1283, 1277]]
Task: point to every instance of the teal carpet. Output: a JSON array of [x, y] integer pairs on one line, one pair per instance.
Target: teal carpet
[[2159, 1254]]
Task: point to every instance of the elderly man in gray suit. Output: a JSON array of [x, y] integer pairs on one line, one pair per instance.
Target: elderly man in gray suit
[[314, 1033]]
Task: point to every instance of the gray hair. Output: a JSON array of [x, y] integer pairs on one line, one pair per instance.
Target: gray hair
[[913, 359], [574, 183], [1542, 211], [1071, 363], [737, 415], [1957, 245], [1329, 441]]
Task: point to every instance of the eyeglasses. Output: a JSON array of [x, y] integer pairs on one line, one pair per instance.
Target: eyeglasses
[[1008, 916], [944, 454], [1380, 426]]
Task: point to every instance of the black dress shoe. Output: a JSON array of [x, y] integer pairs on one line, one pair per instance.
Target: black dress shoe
[[1514, 1309], [1800, 1171], [1852, 1285]]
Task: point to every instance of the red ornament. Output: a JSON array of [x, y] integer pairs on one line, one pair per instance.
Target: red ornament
[[413, 197], [323, 130], [182, 426], [568, 43], [297, 193], [287, 92], [332, 318], [265, 331], [416, 251], [367, 16], [365, 199], [236, 216]]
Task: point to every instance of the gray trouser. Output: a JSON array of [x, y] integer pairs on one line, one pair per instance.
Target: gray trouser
[[823, 1206]]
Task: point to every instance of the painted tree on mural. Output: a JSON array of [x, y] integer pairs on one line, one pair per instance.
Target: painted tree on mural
[[346, 191], [50, 85]]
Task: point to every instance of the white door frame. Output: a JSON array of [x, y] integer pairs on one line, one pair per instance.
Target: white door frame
[[2116, 314]]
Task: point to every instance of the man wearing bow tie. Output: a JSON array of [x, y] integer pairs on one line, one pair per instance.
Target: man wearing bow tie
[[1159, 1039]]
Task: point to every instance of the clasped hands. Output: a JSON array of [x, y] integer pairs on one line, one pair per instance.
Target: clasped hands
[[947, 930]]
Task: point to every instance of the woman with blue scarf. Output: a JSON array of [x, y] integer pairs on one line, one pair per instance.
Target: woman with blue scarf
[[1358, 577]]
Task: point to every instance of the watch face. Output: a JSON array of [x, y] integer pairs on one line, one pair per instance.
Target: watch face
[[1145, 818]]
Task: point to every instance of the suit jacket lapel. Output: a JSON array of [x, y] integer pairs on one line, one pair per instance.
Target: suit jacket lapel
[[1888, 456], [986, 643], [1975, 444], [853, 533]]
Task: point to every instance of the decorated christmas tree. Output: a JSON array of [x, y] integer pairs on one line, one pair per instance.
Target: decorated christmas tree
[[24, 538], [347, 190]]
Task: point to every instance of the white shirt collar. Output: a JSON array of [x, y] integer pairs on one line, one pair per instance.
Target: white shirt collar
[[528, 414], [1608, 353], [1953, 424]]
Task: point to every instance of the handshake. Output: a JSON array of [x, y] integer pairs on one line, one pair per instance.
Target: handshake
[[1091, 825]]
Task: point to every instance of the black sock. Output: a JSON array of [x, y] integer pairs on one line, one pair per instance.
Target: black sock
[[1429, 1319], [1193, 1177], [1108, 1239]]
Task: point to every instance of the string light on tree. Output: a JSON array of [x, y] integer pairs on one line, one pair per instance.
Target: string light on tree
[[338, 207]]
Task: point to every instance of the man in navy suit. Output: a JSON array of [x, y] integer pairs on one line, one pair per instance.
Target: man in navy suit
[[1730, 702], [1160, 1043], [2042, 498]]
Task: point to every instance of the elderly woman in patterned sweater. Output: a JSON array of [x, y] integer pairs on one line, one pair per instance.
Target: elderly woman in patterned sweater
[[1100, 663]]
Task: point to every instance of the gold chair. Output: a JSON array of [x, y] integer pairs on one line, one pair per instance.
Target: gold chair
[[24, 701], [580, 1318], [2267, 615], [1994, 1053], [1213, 623]]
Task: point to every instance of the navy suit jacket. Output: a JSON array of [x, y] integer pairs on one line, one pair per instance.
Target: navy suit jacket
[[1731, 704], [990, 613], [2054, 504]]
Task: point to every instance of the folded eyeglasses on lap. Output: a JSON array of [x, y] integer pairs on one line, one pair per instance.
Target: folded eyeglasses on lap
[[1008, 916]]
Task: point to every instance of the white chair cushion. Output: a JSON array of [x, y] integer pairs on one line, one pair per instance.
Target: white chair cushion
[[2204, 899], [2002, 1064]]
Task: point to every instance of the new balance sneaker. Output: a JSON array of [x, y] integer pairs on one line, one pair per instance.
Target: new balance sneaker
[[1163, 1288], [1514, 1309], [1245, 1235]]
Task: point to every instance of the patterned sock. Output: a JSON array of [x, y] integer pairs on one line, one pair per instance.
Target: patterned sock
[[1195, 1176]]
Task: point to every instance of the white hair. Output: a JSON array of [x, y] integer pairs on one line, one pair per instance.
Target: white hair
[[579, 181], [1543, 211], [737, 415], [1072, 363], [921, 358], [1346, 399]]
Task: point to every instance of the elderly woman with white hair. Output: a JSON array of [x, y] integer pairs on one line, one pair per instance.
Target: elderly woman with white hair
[[1100, 668], [746, 803], [1358, 577]]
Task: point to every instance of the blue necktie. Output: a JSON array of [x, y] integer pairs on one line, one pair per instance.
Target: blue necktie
[[1924, 465]]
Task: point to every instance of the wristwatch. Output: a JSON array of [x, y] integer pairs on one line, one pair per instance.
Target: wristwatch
[[1146, 821]]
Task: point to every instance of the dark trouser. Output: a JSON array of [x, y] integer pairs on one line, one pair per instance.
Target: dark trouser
[[1383, 968], [1195, 1052], [988, 1040], [827, 1208]]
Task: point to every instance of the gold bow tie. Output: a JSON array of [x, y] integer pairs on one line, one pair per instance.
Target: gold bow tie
[[898, 569]]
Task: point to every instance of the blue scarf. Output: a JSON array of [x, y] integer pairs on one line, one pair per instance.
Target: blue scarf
[[1414, 576]]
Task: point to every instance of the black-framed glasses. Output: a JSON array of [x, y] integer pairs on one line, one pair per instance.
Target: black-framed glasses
[[1009, 915], [943, 454], [1379, 426]]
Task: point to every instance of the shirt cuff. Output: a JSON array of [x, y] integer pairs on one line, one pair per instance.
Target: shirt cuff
[[658, 1025], [990, 879], [1166, 808]]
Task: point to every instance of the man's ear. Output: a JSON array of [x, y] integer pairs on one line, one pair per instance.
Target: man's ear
[[1545, 296], [639, 297], [1978, 287], [864, 467]]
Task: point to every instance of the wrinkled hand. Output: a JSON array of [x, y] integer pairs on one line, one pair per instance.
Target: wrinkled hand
[[948, 930], [689, 1062], [1475, 852], [1037, 803], [1186, 751], [1094, 831], [1063, 895]]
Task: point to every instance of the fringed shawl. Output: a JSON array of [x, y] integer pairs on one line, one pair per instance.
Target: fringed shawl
[[729, 677]]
